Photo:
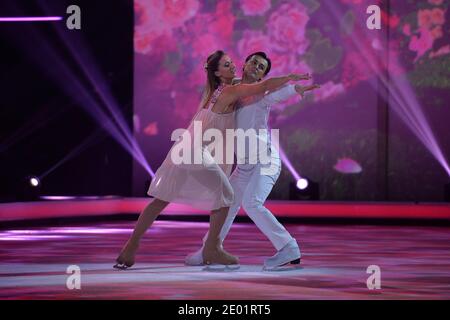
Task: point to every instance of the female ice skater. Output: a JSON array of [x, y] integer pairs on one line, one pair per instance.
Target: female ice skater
[[206, 185]]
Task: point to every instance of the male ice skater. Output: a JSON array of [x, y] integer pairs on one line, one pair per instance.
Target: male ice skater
[[252, 187]]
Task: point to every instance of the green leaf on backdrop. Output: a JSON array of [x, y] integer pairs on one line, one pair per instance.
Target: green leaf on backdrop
[[311, 5], [434, 73], [323, 56], [172, 61], [347, 23]]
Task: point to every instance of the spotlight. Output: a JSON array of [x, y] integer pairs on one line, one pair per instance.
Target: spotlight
[[302, 184], [34, 181], [304, 189], [30, 189]]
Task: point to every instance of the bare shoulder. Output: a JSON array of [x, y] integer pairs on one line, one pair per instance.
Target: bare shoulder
[[235, 91], [230, 89]]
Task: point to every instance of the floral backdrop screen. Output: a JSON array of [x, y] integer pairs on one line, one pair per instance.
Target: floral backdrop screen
[[332, 136]]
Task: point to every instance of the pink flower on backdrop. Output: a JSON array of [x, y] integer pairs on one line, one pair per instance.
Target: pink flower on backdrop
[[252, 41], [437, 16], [393, 21], [204, 44], [355, 69], [364, 63], [407, 29], [208, 32], [424, 18], [148, 26], [436, 32], [176, 12], [328, 90], [143, 42], [421, 44], [366, 3], [156, 19], [286, 27], [435, 2], [427, 18], [255, 7], [223, 24], [442, 51], [283, 64], [151, 129], [154, 43], [347, 166], [352, 1], [140, 14]]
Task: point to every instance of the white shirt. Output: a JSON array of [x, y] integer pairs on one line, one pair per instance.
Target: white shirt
[[255, 115]]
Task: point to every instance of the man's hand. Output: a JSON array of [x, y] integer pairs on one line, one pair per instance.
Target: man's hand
[[301, 90], [297, 77], [306, 76]]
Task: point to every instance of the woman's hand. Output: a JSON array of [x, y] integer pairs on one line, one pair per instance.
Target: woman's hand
[[301, 90]]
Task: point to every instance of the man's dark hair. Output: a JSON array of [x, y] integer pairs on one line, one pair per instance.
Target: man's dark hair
[[262, 55]]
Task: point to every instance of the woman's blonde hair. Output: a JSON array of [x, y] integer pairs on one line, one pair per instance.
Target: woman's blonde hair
[[212, 81]]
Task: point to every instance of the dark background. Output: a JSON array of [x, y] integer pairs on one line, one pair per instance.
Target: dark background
[[40, 123]]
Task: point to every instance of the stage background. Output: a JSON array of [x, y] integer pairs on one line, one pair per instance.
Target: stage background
[[345, 126]]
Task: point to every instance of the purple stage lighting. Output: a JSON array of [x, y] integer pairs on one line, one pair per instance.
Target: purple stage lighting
[[119, 129], [288, 164], [29, 19], [73, 86], [401, 97]]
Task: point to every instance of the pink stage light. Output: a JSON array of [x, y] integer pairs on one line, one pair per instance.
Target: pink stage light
[[29, 19], [57, 197]]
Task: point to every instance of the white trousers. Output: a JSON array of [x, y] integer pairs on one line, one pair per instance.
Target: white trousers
[[251, 189]]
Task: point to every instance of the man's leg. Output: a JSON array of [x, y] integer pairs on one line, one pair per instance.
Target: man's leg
[[239, 180], [257, 191]]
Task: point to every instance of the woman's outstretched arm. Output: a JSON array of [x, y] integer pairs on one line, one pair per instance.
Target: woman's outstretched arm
[[244, 90]]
